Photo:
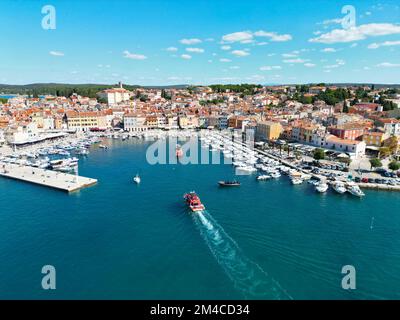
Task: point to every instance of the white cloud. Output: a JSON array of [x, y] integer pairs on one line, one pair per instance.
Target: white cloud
[[262, 43], [384, 44], [309, 65], [195, 50], [298, 60], [238, 36], [329, 50], [56, 53], [358, 33], [240, 53], [273, 36], [256, 77], [269, 68], [190, 41], [388, 65], [331, 21], [247, 41], [186, 56], [248, 36], [133, 56], [172, 49], [234, 67], [225, 47], [224, 60], [289, 55], [340, 62]]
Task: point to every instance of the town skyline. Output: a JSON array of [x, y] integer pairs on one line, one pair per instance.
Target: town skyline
[[201, 44]]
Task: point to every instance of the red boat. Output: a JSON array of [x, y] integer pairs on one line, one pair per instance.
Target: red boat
[[193, 201]]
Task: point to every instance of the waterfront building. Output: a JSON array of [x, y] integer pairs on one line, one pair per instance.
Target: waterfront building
[[134, 122], [85, 121], [354, 148], [268, 130]]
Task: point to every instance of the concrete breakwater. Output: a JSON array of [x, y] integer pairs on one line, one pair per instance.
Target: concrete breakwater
[[52, 179]]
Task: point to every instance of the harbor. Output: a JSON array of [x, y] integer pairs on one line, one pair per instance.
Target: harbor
[[117, 230]]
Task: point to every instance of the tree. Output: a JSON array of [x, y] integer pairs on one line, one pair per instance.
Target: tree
[[345, 108], [384, 152], [375, 163], [391, 144], [319, 154], [394, 165]]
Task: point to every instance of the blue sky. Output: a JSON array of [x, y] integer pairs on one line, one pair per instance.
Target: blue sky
[[150, 42]]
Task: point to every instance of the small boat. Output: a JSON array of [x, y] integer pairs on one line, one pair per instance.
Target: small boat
[[355, 190], [229, 183], [137, 179], [264, 177], [101, 146], [321, 187], [275, 175], [339, 187], [297, 181], [193, 201]]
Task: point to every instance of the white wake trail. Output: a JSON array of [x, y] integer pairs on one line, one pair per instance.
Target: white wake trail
[[247, 276]]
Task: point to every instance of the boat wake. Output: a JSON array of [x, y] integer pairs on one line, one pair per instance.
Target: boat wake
[[248, 277]]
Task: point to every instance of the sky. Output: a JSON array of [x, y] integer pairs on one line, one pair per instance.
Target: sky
[[200, 42]]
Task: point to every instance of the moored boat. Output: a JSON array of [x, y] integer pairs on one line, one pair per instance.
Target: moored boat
[[339, 187], [229, 183]]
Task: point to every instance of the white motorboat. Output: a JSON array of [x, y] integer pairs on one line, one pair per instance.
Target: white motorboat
[[322, 187], [137, 179], [355, 190], [296, 181], [264, 177], [339, 187], [275, 175]]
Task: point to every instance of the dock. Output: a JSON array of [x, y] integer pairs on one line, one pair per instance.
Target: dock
[[48, 178]]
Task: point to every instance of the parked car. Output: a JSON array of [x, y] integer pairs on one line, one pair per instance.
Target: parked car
[[357, 179], [364, 180]]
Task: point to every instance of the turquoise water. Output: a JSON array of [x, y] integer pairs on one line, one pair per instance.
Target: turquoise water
[[263, 240]]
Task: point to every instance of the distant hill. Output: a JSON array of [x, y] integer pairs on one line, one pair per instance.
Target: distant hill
[[65, 88], [377, 85]]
